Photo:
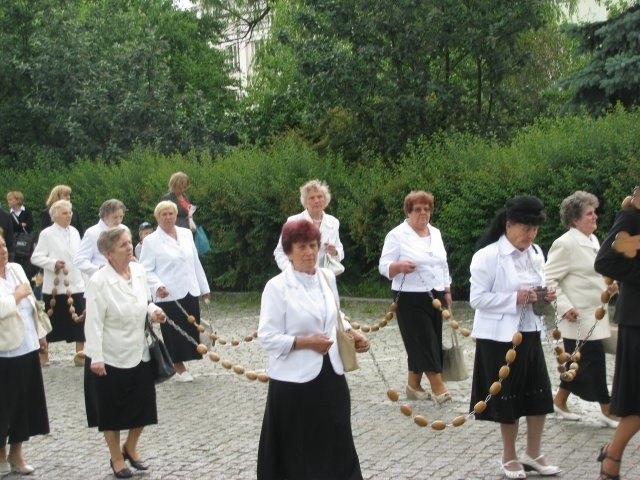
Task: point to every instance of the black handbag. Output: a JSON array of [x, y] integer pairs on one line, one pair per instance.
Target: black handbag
[[161, 362], [23, 241]]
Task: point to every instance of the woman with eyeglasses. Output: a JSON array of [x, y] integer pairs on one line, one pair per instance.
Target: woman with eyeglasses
[[415, 260]]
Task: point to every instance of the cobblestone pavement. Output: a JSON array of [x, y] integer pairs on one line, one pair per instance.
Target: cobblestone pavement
[[209, 429]]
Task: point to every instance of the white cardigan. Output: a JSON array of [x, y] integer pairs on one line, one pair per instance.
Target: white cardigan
[[569, 269], [57, 243], [286, 311], [173, 264], [116, 315], [329, 233], [402, 244], [494, 291]]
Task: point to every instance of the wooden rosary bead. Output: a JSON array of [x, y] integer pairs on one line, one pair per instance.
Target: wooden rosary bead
[[504, 372], [202, 348], [517, 338], [239, 369], [421, 420], [437, 304], [406, 410], [510, 356], [465, 332], [556, 334], [355, 326], [226, 364], [191, 319], [200, 328], [393, 395], [446, 314], [214, 357], [599, 314], [388, 316], [438, 425], [480, 407], [456, 422], [495, 388], [235, 343], [453, 324], [251, 375], [248, 338], [605, 297], [393, 307], [263, 377]]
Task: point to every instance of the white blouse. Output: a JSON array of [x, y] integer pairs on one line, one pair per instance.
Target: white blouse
[[404, 244], [25, 309]]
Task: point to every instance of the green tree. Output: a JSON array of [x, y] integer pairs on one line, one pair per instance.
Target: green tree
[[96, 79], [613, 72], [370, 77]]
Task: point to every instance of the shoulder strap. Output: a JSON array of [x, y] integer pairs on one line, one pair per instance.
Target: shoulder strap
[[339, 324]]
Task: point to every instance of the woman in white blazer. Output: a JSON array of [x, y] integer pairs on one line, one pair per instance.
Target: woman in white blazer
[[23, 407], [118, 379], [569, 269], [315, 198], [504, 272], [414, 259], [177, 280], [54, 253], [88, 259], [308, 400]]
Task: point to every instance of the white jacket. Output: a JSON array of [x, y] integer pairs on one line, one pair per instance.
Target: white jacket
[[116, 314], [286, 311], [329, 233], [402, 244], [494, 291], [57, 243], [173, 264], [569, 269]]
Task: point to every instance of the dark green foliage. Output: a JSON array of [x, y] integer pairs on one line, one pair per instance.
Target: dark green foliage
[[363, 79], [243, 198], [97, 79], [613, 73]]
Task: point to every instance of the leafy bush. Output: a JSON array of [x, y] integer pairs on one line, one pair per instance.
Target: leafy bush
[[244, 197]]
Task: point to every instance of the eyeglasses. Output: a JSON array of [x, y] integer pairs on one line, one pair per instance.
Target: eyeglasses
[[422, 209]]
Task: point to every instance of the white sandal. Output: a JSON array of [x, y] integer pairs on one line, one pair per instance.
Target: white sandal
[[512, 473]]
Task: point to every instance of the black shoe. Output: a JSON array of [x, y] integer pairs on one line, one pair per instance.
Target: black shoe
[[124, 473], [137, 464], [602, 456]]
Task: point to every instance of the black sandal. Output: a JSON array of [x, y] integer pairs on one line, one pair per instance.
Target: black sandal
[[602, 456]]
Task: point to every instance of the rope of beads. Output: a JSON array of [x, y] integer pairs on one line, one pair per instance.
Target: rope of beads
[[54, 292], [480, 406], [202, 349]]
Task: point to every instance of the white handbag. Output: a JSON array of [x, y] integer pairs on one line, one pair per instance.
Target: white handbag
[[333, 264]]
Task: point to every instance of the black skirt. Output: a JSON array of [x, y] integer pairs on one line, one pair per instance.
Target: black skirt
[[590, 383], [421, 329], [123, 399], [625, 394], [23, 406], [179, 347], [527, 389], [64, 328], [306, 430]]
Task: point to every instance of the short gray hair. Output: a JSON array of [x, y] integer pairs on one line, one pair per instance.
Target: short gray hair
[[572, 208], [314, 185], [110, 206], [109, 237], [57, 205], [164, 205]]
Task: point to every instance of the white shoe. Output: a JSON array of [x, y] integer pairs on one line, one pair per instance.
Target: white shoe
[[184, 377], [4, 467], [606, 421], [512, 473], [573, 417], [532, 464], [413, 394]]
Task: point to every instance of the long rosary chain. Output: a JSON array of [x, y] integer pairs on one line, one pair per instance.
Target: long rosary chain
[[54, 292]]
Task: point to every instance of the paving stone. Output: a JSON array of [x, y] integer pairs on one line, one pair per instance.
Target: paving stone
[[209, 429]]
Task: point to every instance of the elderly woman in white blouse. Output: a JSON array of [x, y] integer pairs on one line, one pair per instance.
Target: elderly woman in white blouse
[[315, 197], [54, 253], [415, 260], [308, 404], [570, 269], [176, 280], [88, 259], [118, 378], [23, 407]]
